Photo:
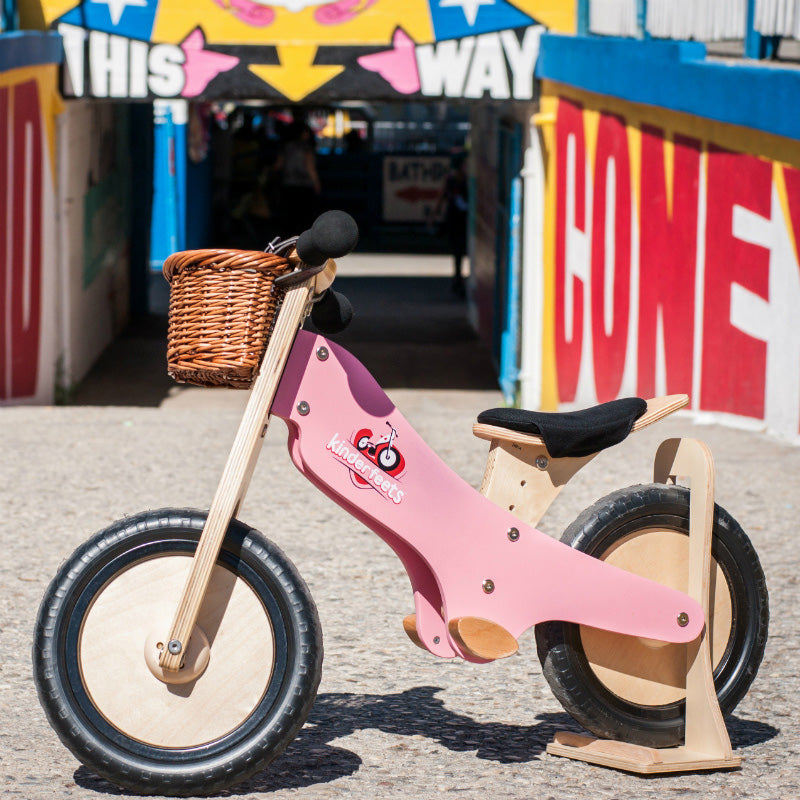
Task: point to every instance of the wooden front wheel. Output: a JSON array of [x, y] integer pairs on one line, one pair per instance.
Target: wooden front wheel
[[113, 654], [254, 658], [621, 687]]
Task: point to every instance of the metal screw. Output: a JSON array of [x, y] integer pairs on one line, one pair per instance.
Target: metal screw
[[175, 647], [303, 408], [488, 586], [542, 462], [322, 353], [683, 619], [436, 640], [513, 534]]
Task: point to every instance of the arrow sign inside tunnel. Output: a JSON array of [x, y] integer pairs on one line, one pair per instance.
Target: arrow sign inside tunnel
[[296, 76]]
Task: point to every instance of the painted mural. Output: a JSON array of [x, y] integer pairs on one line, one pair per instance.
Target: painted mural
[[29, 103], [303, 50], [674, 260]]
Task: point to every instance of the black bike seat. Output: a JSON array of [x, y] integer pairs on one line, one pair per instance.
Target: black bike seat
[[572, 433]]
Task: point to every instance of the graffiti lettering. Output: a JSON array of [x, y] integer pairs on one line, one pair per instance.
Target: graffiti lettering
[[120, 67], [611, 256], [20, 238], [571, 267], [667, 263], [706, 304], [736, 277], [408, 169], [477, 65]]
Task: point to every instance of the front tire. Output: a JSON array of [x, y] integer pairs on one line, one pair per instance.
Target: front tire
[[198, 737], [388, 459], [620, 687]]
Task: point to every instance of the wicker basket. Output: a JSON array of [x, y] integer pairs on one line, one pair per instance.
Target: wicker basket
[[221, 310]]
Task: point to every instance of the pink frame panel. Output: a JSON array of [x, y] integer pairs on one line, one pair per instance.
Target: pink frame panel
[[449, 537]]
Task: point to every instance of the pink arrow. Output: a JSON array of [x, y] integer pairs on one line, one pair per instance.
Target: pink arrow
[[202, 65], [397, 66]]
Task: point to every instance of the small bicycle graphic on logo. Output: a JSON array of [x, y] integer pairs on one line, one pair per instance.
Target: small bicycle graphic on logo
[[381, 452]]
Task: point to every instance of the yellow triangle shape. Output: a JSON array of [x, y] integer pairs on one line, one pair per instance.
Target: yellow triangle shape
[[296, 76]]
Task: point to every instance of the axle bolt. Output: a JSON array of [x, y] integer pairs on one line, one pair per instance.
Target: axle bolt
[[488, 586], [175, 647], [683, 619]]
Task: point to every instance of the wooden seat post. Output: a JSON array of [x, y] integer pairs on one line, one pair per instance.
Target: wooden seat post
[[525, 479]]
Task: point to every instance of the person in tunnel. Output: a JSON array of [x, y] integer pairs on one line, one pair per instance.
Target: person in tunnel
[[454, 199], [299, 181]]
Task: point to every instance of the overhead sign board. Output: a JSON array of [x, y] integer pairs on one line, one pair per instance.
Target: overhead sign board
[[302, 50]]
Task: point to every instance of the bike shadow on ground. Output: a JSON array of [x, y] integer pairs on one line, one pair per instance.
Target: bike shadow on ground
[[311, 759]]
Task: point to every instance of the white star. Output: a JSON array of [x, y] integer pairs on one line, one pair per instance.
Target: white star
[[116, 8], [469, 7]]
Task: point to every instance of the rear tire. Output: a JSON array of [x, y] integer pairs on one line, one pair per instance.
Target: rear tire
[[590, 671], [184, 739]]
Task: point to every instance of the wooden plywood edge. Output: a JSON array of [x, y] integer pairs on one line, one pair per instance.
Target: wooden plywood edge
[[640, 760]]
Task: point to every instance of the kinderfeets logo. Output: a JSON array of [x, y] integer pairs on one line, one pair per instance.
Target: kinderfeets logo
[[373, 464]]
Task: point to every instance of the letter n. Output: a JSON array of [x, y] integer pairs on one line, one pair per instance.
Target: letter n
[[668, 254]]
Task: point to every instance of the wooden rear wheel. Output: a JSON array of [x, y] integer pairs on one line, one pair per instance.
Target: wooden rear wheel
[[254, 659], [639, 670], [621, 687]]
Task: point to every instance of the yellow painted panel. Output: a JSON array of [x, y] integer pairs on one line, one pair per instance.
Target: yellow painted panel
[[635, 159], [40, 13], [50, 102], [780, 184], [549, 109], [669, 171], [375, 25], [558, 15]]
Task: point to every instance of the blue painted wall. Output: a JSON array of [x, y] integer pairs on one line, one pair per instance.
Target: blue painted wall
[[676, 76]]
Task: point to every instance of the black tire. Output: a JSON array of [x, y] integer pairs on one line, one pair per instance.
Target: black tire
[[622, 516], [388, 459], [254, 567]]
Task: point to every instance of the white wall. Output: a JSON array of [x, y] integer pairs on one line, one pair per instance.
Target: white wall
[[95, 300]]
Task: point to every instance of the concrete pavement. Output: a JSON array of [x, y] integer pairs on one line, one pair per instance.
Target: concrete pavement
[[390, 721]]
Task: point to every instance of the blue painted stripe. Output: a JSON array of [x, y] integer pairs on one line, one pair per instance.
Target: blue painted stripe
[[677, 76], [509, 342], [28, 48]]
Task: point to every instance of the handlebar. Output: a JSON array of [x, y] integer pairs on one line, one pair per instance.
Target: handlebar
[[333, 235]]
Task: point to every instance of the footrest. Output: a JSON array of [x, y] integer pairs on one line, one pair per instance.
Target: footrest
[[410, 627], [482, 638]]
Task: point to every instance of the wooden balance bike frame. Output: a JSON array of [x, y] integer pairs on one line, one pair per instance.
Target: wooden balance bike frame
[[481, 575]]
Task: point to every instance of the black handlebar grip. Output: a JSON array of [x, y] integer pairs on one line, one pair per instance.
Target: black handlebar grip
[[332, 313], [308, 251], [333, 235]]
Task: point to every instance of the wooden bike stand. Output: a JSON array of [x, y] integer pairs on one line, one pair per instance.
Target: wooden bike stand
[[238, 471], [707, 745]]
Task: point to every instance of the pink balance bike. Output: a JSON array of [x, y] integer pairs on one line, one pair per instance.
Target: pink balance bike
[[178, 652]]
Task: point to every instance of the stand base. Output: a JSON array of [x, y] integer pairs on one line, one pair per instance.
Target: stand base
[[633, 758]]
